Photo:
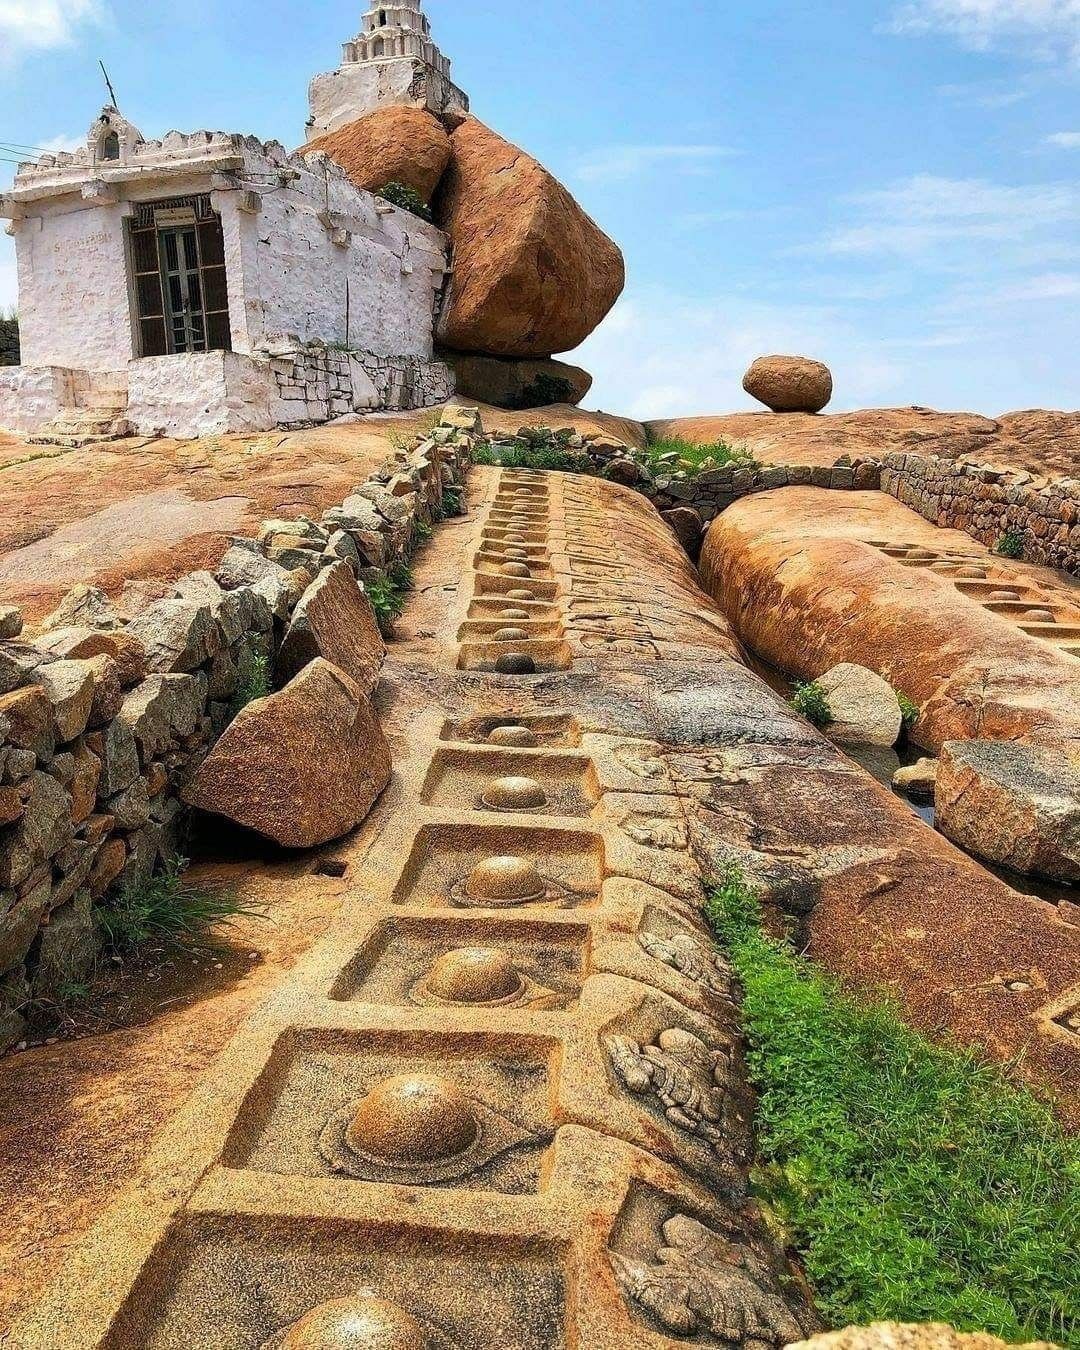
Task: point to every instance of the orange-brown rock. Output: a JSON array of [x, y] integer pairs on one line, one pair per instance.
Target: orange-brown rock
[[797, 573], [907, 1336], [533, 274], [334, 620], [301, 767], [390, 145], [517, 385], [789, 383], [1040, 442]]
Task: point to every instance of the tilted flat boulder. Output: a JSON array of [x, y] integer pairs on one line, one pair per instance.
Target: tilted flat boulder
[[533, 274], [864, 707], [334, 620], [790, 383], [517, 385], [301, 767], [1012, 803], [390, 145]]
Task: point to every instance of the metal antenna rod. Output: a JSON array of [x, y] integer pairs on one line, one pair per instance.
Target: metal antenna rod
[[112, 91]]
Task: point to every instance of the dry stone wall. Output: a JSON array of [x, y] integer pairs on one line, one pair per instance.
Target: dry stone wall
[[104, 717], [316, 384]]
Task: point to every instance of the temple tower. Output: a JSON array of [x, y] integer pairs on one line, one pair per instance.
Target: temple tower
[[392, 60]]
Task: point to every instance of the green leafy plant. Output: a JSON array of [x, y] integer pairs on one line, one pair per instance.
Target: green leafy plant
[[398, 194], [918, 1184], [811, 701], [400, 575], [1010, 545], [168, 908], [388, 602], [909, 711], [673, 455], [451, 501], [421, 533], [253, 683], [553, 458]]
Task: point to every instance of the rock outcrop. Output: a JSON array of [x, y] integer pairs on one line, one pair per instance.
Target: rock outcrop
[[334, 620], [533, 274], [1013, 804], [517, 385], [789, 383], [301, 767], [907, 1336], [390, 145], [864, 707]]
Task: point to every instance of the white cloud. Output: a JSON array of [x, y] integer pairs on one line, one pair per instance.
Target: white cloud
[[1049, 286], [28, 25], [943, 219], [1065, 140], [618, 163], [1048, 29]]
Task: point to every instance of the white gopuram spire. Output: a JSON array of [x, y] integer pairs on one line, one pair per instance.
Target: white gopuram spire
[[392, 60]]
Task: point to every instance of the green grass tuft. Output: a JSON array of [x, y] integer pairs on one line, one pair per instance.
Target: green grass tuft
[[811, 702], [909, 710], [522, 456], [919, 1184], [388, 602], [168, 908], [675, 455]]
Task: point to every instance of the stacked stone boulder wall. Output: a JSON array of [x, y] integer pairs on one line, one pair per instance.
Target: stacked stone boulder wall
[[301, 767], [533, 274], [790, 384], [392, 144]]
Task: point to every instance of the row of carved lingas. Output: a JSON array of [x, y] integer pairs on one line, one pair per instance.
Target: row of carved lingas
[[423, 1128], [526, 512]]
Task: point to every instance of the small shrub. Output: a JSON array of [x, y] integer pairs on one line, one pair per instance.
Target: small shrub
[[400, 575], [675, 455], [421, 533], [388, 602], [167, 908], [407, 198], [909, 711], [552, 457], [451, 501], [1010, 545], [918, 1184], [254, 682], [811, 701]]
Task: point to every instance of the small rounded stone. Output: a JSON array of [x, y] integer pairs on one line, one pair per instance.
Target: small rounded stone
[[363, 1322], [515, 569], [510, 635], [967, 573], [1039, 616], [517, 738], [513, 613], [505, 881], [514, 794], [474, 975], [521, 593], [1004, 595], [413, 1120], [920, 554], [514, 539], [515, 663], [516, 554]]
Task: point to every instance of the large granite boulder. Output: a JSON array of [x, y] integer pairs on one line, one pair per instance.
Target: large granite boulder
[[390, 145], [907, 1336], [334, 620], [533, 274], [789, 383], [301, 767], [1012, 803], [864, 707], [517, 385]]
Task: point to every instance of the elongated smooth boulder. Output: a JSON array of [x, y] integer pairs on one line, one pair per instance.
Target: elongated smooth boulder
[[533, 274], [518, 385], [907, 1336], [334, 620], [390, 145], [864, 707], [789, 383], [301, 767], [1012, 803]]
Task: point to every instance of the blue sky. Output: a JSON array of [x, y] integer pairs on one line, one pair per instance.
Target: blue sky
[[892, 186]]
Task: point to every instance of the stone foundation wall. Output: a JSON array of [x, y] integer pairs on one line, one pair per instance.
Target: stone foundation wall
[[31, 396], [988, 503], [317, 384], [105, 715]]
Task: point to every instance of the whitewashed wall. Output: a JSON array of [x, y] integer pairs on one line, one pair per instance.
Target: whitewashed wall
[[73, 293], [30, 398]]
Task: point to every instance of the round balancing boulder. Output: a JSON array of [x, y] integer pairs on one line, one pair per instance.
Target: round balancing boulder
[[506, 881]]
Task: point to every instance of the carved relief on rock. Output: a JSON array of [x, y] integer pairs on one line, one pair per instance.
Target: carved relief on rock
[[690, 958], [718, 1291]]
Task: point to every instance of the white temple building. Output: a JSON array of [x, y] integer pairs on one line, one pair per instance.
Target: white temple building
[[393, 60], [209, 282]]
